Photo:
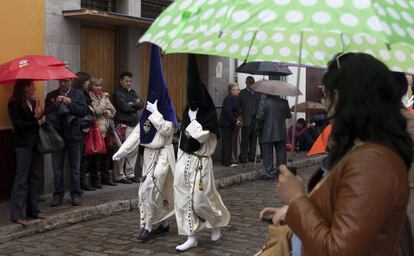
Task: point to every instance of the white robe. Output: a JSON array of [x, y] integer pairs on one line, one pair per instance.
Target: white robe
[[158, 184], [198, 208]]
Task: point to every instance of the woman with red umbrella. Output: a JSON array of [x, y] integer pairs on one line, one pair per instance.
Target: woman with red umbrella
[[26, 116]]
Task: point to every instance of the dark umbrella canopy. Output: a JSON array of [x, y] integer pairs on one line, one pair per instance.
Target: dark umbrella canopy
[[266, 68]]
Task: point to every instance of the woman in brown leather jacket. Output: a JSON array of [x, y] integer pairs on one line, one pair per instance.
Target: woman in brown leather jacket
[[359, 205]]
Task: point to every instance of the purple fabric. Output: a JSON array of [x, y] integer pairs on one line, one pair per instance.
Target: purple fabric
[[157, 90]]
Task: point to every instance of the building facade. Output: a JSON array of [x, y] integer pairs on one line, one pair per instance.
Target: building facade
[[96, 36]]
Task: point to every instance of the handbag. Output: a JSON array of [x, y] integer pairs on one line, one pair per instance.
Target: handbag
[[278, 242], [94, 142], [87, 121], [49, 139]]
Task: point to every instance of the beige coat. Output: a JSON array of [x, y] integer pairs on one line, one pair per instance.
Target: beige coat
[[101, 106]]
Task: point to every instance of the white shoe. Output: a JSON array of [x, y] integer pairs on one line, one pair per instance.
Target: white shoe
[[190, 243], [233, 165], [215, 234]]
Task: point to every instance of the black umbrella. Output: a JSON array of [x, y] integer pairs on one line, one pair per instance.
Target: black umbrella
[[266, 68]]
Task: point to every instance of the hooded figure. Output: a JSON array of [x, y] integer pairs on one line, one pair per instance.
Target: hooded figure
[[197, 98], [155, 132], [198, 205]]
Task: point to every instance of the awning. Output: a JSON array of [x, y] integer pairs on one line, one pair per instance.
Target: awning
[[111, 18]]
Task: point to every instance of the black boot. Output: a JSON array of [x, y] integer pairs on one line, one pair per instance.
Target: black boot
[[108, 179], [97, 183], [87, 185], [85, 177]]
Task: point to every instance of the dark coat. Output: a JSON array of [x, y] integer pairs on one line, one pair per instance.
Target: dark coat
[[248, 103], [273, 112], [230, 111], [25, 124], [127, 113], [68, 126]]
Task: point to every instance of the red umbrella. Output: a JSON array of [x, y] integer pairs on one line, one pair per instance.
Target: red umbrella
[[34, 67]]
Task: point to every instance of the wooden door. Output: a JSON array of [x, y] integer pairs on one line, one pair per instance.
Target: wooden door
[[314, 91], [98, 55], [314, 84], [175, 74]]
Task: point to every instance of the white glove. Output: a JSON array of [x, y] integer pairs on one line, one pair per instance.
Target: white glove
[[116, 157], [408, 102], [192, 114], [152, 107]]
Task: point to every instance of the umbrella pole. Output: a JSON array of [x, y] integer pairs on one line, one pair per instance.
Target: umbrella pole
[[297, 97]]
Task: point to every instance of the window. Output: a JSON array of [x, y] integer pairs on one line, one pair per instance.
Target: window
[[100, 5], [153, 8]]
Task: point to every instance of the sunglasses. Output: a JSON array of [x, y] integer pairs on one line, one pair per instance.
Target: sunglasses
[[339, 56]]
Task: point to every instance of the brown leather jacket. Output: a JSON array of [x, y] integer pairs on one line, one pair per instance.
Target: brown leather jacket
[[358, 209]]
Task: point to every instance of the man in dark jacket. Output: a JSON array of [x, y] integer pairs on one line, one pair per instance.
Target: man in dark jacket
[[273, 112], [229, 119], [249, 100], [64, 108], [127, 105]]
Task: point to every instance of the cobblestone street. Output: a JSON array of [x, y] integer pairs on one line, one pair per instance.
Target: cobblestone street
[[115, 235]]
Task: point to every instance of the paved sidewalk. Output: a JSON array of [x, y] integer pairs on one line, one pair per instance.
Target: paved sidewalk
[[116, 235], [114, 200]]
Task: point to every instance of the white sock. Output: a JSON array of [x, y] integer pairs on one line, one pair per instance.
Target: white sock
[[148, 227], [190, 243], [215, 234]]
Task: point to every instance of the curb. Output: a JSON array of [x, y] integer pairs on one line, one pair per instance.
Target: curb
[[60, 220]]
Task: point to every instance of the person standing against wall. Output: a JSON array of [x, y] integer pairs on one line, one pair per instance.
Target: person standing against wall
[[229, 120], [26, 116], [127, 105], [82, 83], [65, 107], [104, 112], [249, 101]]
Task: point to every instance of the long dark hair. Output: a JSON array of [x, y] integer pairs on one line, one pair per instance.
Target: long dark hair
[[82, 78], [19, 93], [368, 106]]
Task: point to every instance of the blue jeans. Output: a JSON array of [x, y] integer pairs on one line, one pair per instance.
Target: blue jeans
[[296, 245], [74, 149]]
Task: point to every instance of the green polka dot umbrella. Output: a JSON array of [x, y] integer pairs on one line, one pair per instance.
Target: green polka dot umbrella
[[276, 30]]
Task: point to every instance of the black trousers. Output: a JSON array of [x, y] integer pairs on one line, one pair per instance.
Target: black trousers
[[227, 133], [99, 163], [268, 154], [248, 143], [25, 191]]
